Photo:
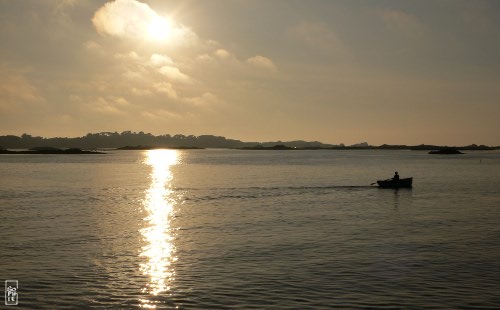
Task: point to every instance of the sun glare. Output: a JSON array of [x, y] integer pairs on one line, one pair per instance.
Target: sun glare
[[158, 233], [160, 29]]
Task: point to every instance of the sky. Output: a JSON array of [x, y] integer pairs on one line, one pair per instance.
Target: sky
[[395, 72]]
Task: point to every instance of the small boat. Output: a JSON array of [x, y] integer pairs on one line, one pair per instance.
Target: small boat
[[391, 183]]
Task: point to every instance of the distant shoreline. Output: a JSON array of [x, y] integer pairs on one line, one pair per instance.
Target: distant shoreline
[[51, 151], [433, 149], [128, 140]]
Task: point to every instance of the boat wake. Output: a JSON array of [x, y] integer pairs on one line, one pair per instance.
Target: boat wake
[[203, 194]]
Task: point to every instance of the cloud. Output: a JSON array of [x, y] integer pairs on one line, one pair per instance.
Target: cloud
[[60, 8], [160, 60], [138, 67], [183, 35], [402, 21], [174, 74], [123, 18], [94, 47], [137, 20], [318, 35], [208, 99], [262, 62], [131, 56], [16, 89], [204, 58], [109, 105], [166, 88], [133, 76], [60, 19], [160, 115], [222, 53], [140, 92]]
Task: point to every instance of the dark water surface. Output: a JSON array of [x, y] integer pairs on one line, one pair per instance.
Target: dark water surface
[[227, 229]]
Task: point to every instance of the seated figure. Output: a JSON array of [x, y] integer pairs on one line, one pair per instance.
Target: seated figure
[[396, 176]]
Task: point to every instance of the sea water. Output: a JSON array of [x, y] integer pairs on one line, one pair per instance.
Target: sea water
[[234, 229]]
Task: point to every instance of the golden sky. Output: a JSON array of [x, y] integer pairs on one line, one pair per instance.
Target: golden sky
[[397, 72]]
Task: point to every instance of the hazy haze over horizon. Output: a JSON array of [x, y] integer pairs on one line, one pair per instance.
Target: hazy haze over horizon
[[396, 72]]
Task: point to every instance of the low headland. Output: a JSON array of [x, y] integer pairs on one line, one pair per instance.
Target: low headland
[[51, 150]]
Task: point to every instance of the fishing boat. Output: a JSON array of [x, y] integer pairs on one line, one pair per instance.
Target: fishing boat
[[391, 183]]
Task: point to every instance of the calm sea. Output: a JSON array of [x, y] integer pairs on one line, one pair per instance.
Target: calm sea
[[231, 229]]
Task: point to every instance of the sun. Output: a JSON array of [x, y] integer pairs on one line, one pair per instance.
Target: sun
[[159, 29]]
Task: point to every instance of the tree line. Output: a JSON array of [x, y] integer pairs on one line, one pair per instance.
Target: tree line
[[130, 138], [116, 140]]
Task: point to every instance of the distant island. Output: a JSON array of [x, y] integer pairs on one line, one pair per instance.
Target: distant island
[[51, 150], [275, 147], [128, 140], [446, 151], [282, 147]]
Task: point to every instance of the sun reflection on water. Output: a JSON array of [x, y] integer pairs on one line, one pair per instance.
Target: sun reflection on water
[[159, 249]]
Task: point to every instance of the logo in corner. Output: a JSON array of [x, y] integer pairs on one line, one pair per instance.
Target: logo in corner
[[11, 293]]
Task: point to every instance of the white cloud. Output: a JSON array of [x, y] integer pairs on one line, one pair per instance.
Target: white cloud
[[137, 20], [166, 88], [206, 100], [204, 58], [175, 74], [213, 43], [140, 92], [109, 105], [183, 35], [130, 56], [160, 60], [160, 114], [123, 18], [222, 53], [262, 62]]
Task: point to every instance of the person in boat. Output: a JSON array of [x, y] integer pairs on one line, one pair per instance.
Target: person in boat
[[396, 176]]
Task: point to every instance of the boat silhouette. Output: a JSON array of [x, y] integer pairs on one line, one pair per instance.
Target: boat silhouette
[[391, 183]]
